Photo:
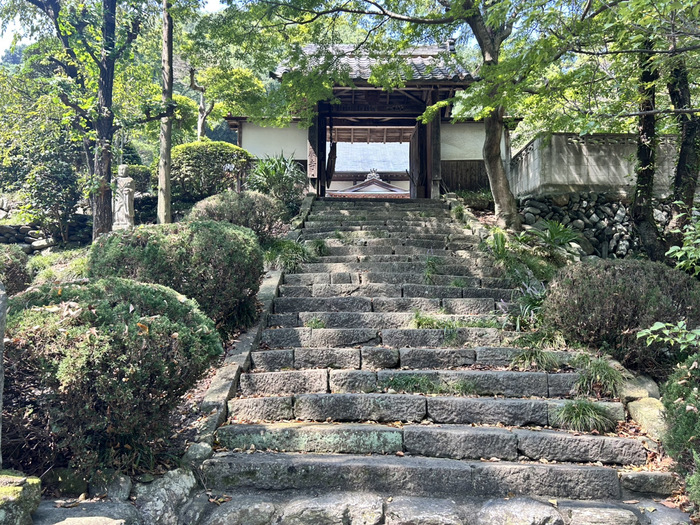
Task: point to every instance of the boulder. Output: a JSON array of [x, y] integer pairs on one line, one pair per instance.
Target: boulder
[[19, 497]]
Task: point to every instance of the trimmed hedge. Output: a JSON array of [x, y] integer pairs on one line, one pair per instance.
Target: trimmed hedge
[[217, 264], [260, 213], [605, 304], [142, 176], [94, 370], [13, 268], [204, 168]]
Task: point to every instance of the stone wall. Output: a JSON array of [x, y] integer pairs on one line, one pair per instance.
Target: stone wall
[[603, 163], [31, 239], [601, 218]]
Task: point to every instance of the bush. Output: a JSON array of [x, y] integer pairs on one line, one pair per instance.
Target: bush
[[251, 209], [682, 400], [281, 178], [13, 268], [94, 370], [49, 197], [287, 255], [605, 305], [688, 255], [205, 168], [215, 263], [59, 266], [141, 176]]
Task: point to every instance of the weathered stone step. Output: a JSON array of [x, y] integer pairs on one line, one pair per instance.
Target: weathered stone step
[[439, 441], [345, 213], [392, 337], [379, 204], [454, 382], [378, 320], [387, 408], [338, 249], [416, 476], [405, 228], [426, 241], [464, 269], [373, 358], [470, 258], [451, 303]]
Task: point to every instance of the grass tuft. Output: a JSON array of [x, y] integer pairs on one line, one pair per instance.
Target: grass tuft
[[596, 376], [583, 415], [283, 254], [536, 359]]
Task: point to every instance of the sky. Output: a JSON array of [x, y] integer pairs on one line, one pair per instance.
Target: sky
[[8, 35]]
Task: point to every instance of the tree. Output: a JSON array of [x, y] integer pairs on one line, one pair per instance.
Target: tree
[[166, 124]]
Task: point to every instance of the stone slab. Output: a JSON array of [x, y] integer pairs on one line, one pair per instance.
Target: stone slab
[[261, 408], [469, 306], [359, 407], [460, 442], [374, 358], [344, 358], [284, 382], [338, 337], [406, 304], [317, 438], [286, 337], [349, 381], [436, 358], [520, 412], [322, 304], [269, 360]]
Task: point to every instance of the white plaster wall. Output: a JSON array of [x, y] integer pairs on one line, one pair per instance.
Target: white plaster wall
[[569, 163], [462, 141], [344, 184], [290, 141]]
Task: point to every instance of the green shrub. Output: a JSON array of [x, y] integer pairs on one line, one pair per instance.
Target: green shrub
[[217, 264], [13, 268], [260, 213], [50, 195], [596, 377], [605, 304], [205, 168], [536, 359], [94, 370], [283, 254], [142, 177], [63, 266], [688, 254], [281, 178], [477, 200]]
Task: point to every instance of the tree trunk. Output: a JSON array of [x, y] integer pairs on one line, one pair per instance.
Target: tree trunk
[[104, 125], [505, 205], [688, 164], [642, 206], [166, 123]]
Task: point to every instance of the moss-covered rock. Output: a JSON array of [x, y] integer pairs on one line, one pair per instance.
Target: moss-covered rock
[[19, 497]]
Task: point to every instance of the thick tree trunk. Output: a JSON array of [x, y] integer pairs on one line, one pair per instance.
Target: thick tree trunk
[[166, 123], [685, 180], [642, 206], [505, 205], [104, 125]]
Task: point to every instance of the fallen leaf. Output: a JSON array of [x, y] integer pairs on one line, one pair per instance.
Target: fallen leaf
[[554, 503], [631, 501]]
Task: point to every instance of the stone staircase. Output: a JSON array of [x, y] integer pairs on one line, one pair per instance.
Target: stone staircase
[[347, 396]]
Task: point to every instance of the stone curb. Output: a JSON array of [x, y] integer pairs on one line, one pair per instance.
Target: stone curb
[[225, 382]]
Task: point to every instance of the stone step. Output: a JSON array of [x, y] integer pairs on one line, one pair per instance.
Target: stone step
[[464, 269], [472, 259], [398, 227], [389, 408], [378, 320], [439, 441], [416, 476], [379, 204], [454, 382], [368, 213], [392, 337], [453, 303], [426, 241], [373, 358]]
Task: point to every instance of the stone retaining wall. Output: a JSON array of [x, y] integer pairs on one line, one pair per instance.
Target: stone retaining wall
[[31, 239], [603, 220]]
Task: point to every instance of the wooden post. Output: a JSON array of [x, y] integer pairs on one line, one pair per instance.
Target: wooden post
[[435, 154], [312, 170], [321, 141]]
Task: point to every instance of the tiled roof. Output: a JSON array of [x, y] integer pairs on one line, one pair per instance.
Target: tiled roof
[[427, 63]]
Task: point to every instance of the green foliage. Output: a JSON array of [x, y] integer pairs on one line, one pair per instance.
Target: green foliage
[[498, 244], [261, 213], [597, 376], [458, 213], [217, 264], [682, 400], [678, 335], [205, 168], [529, 304], [315, 322], [50, 195], [281, 178], [428, 322], [59, 266], [554, 235], [432, 268], [583, 415], [142, 177], [13, 269], [605, 304], [688, 254], [536, 359], [319, 248], [477, 200], [95, 371], [283, 254]]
